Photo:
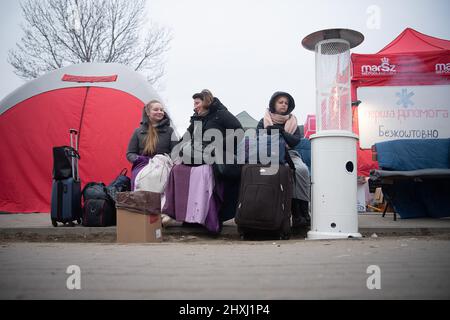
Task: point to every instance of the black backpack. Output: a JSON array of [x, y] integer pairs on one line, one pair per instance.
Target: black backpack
[[121, 184], [99, 208]]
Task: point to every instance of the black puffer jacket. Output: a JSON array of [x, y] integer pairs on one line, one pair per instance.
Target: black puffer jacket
[[218, 117], [165, 144]]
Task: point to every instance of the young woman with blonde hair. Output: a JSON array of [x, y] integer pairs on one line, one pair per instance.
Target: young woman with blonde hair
[[151, 138], [153, 135]]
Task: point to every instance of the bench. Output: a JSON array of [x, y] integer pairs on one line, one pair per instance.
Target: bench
[[414, 176]]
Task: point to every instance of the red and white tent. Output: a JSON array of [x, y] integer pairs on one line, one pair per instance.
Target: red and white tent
[[102, 101], [412, 59]]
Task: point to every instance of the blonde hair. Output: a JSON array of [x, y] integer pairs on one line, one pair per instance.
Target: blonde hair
[[151, 140]]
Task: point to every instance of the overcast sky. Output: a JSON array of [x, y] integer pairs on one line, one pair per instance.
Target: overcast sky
[[244, 50]]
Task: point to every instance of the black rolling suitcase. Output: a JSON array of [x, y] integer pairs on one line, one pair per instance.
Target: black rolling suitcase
[[66, 187], [264, 206]]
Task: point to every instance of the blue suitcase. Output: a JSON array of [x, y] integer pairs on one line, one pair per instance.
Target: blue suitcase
[[66, 201], [66, 193]]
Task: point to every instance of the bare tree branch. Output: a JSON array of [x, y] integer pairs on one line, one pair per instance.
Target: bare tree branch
[[58, 33]]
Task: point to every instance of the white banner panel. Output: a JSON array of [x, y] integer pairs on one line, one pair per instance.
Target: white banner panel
[[407, 112]]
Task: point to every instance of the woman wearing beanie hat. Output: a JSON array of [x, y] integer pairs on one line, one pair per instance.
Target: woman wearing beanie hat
[[279, 116]]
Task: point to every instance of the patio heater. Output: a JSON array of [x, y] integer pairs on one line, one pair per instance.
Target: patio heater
[[333, 147]]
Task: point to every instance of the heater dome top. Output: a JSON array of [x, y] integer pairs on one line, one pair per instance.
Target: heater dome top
[[353, 37]]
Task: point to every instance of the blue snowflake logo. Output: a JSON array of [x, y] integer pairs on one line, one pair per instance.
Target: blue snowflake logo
[[405, 98]]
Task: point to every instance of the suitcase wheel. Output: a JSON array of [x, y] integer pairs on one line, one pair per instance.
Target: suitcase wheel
[[54, 223]]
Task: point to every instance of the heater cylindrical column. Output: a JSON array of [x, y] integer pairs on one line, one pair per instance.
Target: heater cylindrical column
[[333, 147], [333, 186]]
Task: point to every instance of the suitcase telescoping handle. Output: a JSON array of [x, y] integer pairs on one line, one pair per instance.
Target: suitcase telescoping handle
[[74, 144], [73, 138]]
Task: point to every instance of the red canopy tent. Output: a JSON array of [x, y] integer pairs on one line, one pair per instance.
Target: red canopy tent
[[413, 58], [103, 101]]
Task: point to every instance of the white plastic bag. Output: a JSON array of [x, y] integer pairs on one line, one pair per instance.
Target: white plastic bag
[[153, 177]]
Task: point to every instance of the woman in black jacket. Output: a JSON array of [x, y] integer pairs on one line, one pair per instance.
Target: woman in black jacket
[[210, 117], [210, 113], [214, 115], [279, 116]]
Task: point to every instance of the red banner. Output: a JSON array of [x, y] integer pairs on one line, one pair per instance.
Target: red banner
[[84, 79], [428, 64]]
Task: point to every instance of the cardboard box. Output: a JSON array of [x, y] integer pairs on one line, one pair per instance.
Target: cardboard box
[[134, 227]]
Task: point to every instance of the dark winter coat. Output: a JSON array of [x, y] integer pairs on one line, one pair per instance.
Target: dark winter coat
[[137, 142], [291, 139], [218, 117]]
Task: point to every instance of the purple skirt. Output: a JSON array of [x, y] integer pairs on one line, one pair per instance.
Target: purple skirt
[[192, 196]]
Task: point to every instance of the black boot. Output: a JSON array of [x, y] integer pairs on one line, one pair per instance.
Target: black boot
[[304, 209], [300, 214], [296, 220]]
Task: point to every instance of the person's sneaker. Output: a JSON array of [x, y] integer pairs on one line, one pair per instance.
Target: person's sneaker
[[166, 220]]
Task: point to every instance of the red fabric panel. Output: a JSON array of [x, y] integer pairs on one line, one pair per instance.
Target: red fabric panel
[[310, 125], [29, 131], [110, 117], [365, 162], [32, 128], [82, 79], [411, 40]]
